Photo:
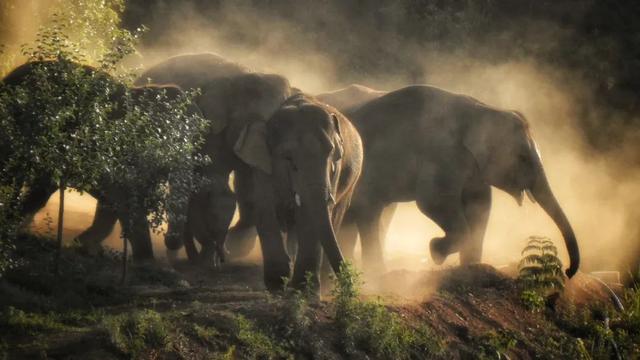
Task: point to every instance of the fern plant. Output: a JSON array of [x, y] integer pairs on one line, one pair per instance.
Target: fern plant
[[540, 271]]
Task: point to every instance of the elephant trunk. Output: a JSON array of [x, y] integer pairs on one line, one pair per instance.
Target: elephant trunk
[[319, 216], [541, 191]]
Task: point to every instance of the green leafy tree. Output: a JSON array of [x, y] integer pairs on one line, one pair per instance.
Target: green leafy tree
[[80, 127]]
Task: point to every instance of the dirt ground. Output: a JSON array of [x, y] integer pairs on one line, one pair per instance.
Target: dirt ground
[[474, 311]]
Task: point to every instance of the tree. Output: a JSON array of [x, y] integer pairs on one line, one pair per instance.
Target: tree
[[80, 126]]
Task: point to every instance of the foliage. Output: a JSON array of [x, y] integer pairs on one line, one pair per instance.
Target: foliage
[[540, 272], [84, 128], [371, 327], [137, 332], [9, 223], [605, 332], [255, 344], [88, 29], [297, 316], [532, 299], [17, 321], [494, 344]]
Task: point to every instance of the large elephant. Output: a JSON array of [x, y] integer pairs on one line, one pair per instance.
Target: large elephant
[[241, 238], [42, 186], [233, 98], [316, 159], [236, 99], [445, 151]]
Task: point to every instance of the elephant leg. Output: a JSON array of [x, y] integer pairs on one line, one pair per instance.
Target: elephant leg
[[340, 215], [36, 198], [438, 196], [369, 227], [214, 217], [277, 264], [242, 236], [178, 234], [104, 220], [477, 206], [136, 230], [190, 245], [385, 222], [292, 243]]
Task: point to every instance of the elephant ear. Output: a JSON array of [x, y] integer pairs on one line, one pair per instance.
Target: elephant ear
[[251, 146], [477, 141]]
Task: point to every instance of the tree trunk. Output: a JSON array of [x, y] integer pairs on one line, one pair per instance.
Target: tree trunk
[[63, 187], [125, 254]]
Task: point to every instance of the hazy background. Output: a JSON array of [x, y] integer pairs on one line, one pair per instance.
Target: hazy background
[[572, 67]]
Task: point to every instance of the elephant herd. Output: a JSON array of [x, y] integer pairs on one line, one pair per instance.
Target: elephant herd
[[318, 171]]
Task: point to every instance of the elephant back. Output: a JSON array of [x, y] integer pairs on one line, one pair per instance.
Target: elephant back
[[191, 71], [349, 97]]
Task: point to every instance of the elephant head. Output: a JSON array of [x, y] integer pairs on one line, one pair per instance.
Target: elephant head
[[508, 158]]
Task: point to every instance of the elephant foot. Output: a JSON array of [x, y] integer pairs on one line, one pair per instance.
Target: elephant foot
[[439, 248], [470, 256], [275, 275]]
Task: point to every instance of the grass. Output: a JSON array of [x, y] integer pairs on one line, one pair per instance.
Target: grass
[[369, 326], [138, 332], [17, 321], [255, 344], [495, 344]]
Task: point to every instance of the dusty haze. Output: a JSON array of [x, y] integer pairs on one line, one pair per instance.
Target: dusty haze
[[598, 191]]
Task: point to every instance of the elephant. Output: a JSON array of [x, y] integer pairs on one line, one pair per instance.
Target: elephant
[[241, 238], [236, 99], [307, 183], [107, 193], [232, 98], [445, 151]]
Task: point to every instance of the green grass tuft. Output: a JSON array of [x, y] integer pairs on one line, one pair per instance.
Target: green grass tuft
[[137, 332]]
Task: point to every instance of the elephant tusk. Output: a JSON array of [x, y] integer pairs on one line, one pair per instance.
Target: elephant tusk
[[530, 195], [296, 196], [329, 198], [519, 198]]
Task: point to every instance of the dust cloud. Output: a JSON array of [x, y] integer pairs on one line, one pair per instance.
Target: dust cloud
[[598, 193]]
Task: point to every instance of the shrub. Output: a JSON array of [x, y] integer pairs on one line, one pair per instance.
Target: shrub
[[540, 272]]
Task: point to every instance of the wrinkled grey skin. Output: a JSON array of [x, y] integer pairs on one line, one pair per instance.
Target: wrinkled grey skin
[[316, 159], [106, 193], [444, 151], [234, 102]]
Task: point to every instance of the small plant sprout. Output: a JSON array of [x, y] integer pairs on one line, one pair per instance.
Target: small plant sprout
[[540, 271]]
